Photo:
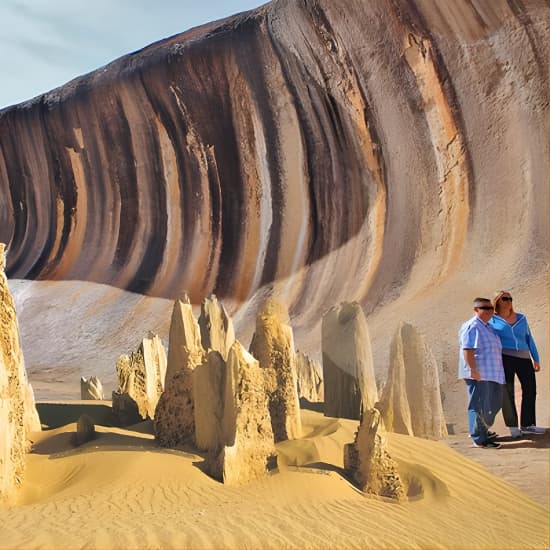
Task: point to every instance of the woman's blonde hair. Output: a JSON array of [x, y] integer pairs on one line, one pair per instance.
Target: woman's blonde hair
[[496, 300]]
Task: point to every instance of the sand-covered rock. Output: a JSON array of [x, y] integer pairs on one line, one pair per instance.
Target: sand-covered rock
[[91, 389], [368, 461], [310, 381], [411, 399], [141, 376], [216, 327], [273, 346], [348, 372], [174, 417], [17, 410], [248, 448], [85, 430]]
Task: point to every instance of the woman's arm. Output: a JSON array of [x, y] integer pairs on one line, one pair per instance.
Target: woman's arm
[[532, 347]]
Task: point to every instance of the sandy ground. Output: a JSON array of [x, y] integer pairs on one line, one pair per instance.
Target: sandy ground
[[122, 491]]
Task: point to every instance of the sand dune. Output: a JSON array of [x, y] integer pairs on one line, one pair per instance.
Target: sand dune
[[122, 491]]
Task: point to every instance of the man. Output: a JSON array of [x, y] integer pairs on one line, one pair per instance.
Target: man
[[480, 365]]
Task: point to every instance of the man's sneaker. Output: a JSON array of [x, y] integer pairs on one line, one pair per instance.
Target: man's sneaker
[[515, 433], [533, 430], [491, 436], [487, 445]]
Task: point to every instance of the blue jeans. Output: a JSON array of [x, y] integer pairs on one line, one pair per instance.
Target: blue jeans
[[485, 402]]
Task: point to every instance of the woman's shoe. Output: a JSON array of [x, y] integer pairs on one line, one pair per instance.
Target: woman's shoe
[[535, 430], [515, 433]]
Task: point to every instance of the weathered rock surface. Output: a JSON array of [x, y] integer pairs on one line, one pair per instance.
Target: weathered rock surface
[[368, 461], [141, 378], [247, 446], [310, 382], [174, 422], [348, 372], [185, 349], [208, 397], [216, 326], [91, 388], [140, 131], [17, 411], [273, 346], [411, 399]]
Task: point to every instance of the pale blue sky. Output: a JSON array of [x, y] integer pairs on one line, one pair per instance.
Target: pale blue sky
[[45, 43]]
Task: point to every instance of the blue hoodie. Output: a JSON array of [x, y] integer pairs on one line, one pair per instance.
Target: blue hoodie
[[516, 336]]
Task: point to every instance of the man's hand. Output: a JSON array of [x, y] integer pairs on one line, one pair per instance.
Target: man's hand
[[536, 366], [471, 362]]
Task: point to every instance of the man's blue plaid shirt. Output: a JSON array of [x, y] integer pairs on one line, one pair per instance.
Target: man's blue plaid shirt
[[475, 334]]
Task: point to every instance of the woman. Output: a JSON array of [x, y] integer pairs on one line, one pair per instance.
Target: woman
[[521, 359]]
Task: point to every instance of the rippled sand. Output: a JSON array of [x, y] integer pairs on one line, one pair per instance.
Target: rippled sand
[[122, 491]]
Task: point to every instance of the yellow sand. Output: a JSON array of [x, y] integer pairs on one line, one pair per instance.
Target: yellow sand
[[122, 491]]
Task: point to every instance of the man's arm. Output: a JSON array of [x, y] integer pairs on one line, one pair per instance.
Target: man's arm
[[471, 362]]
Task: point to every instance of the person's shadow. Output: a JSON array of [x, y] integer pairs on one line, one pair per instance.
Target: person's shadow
[[532, 441]]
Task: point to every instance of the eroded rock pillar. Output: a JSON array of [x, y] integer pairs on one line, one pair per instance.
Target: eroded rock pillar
[[247, 447], [91, 389], [368, 461], [18, 414], [140, 379], [310, 382], [411, 399], [216, 327], [273, 346], [174, 422], [348, 372]]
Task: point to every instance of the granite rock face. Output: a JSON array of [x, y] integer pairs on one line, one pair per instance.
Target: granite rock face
[[312, 102], [411, 399], [18, 414], [91, 388], [273, 346], [348, 372]]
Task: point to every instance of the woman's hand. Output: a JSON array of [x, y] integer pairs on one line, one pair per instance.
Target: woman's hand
[[536, 366]]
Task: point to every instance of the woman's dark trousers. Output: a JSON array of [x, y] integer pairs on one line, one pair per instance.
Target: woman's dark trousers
[[523, 369]]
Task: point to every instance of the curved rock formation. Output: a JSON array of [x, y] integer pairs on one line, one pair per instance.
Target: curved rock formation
[[238, 153]]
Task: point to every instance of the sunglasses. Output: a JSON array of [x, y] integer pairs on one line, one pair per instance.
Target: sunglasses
[[486, 308], [506, 298]]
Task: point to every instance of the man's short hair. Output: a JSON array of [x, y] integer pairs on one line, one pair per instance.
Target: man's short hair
[[480, 301]]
